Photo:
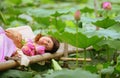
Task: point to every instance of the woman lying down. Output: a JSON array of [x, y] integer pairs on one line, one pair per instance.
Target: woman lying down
[[11, 45]]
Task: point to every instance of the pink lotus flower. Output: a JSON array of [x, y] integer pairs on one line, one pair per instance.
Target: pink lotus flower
[[30, 45], [77, 15], [106, 5], [27, 51], [31, 49], [40, 49]]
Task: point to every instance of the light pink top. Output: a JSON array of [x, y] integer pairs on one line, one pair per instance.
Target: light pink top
[[7, 47]]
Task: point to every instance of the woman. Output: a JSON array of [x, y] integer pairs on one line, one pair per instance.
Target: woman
[[50, 44]]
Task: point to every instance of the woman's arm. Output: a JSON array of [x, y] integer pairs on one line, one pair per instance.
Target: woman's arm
[[15, 36]]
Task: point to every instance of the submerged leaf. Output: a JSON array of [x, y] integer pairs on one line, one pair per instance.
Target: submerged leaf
[[108, 70]]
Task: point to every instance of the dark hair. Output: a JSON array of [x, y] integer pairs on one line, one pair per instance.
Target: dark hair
[[56, 43]]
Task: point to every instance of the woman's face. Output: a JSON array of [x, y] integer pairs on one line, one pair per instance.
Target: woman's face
[[46, 41]]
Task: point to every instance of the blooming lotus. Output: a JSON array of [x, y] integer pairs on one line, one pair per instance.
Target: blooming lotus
[[106, 5], [30, 45], [27, 51], [31, 49]]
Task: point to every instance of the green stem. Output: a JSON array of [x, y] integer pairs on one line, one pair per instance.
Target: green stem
[[96, 11], [107, 15], [76, 43], [85, 57], [56, 21], [108, 55], [99, 74], [107, 76], [3, 17]]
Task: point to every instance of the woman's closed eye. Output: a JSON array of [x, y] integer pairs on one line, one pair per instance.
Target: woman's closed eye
[[48, 41], [47, 45]]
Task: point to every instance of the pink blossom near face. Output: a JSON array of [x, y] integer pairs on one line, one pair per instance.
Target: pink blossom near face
[[77, 15], [40, 49], [30, 45], [27, 51], [106, 5]]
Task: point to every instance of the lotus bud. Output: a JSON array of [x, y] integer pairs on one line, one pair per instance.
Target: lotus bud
[[106, 5], [77, 15]]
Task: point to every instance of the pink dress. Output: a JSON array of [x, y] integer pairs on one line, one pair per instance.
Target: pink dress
[[7, 47]]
